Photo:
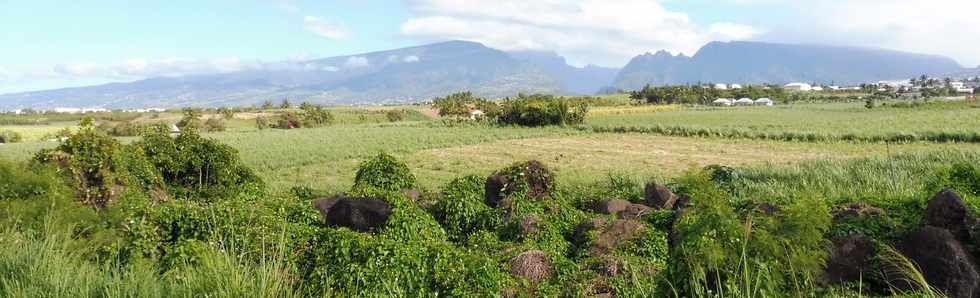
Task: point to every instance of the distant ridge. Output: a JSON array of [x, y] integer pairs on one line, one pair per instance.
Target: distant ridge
[[758, 62], [420, 73], [394, 76]]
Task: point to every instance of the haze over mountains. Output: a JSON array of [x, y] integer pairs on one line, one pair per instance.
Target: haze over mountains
[[423, 72]]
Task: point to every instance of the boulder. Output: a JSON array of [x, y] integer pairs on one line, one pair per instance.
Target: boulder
[[532, 265], [613, 206], [622, 209], [359, 214], [634, 211], [946, 210], [494, 190], [854, 211], [945, 263], [659, 196], [613, 234], [850, 259]]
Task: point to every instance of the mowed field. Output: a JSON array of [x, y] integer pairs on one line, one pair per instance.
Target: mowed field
[[327, 158]]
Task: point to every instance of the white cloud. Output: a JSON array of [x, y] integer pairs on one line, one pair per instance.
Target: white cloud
[[732, 31], [411, 59], [330, 68], [357, 61], [948, 27], [324, 28], [585, 31]]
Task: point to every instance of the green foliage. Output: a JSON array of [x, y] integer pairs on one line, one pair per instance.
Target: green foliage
[[9, 136], [214, 125], [541, 110], [395, 115], [316, 116], [199, 168], [285, 104], [702, 95], [191, 121], [721, 254], [461, 210], [346, 263], [384, 172], [132, 128], [456, 104], [99, 167], [267, 105]]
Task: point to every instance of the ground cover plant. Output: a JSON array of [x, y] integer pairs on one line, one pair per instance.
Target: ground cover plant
[[421, 207]]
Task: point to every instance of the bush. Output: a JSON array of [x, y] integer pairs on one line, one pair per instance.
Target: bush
[[191, 120], [316, 116], [99, 167], [541, 110], [384, 172], [461, 210], [199, 168], [214, 125], [9, 136], [395, 115]]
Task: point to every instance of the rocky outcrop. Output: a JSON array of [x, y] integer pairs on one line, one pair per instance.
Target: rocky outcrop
[[359, 214]]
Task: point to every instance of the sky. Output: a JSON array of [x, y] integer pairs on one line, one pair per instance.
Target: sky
[[48, 44]]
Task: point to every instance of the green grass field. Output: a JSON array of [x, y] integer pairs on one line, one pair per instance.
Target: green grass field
[[247, 240]]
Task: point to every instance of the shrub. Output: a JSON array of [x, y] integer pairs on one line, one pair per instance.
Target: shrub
[[316, 116], [289, 120], [395, 115], [214, 125], [199, 168], [541, 110], [191, 120], [461, 209], [99, 167], [9, 136], [384, 172]]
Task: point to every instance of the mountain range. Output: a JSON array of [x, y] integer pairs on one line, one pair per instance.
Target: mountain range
[[420, 73]]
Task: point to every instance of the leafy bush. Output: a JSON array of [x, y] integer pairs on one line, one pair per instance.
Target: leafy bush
[[384, 172], [9, 136], [131, 128], [461, 209], [99, 167], [214, 125], [316, 116], [395, 115], [191, 121], [541, 110], [199, 168]]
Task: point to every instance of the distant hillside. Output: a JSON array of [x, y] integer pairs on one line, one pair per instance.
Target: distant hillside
[[756, 62], [586, 80], [395, 76]]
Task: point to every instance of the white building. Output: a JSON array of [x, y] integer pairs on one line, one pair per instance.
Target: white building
[[745, 101], [798, 87], [735, 86], [723, 102], [765, 101], [721, 86], [816, 88]]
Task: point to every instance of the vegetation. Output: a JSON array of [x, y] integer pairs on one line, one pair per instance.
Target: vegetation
[[227, 214], [703, 95]]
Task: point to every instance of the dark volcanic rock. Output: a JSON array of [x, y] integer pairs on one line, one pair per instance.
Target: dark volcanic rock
[[946, 210], [850, 259], [359, 214], [622, 209], [659, 196], [945, 263], [494, 188]]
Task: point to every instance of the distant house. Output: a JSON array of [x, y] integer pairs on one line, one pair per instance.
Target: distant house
[[722, 102], [798, 87], [816, 88], [475, 114], [745, 101], [721, 86], [735, 86], [763, 101]]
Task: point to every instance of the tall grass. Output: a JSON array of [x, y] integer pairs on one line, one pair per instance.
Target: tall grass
[[45, 265]]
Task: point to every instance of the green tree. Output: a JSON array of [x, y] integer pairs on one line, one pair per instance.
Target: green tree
[[191, 120], [285, 104], [457, 104], [267, 105]]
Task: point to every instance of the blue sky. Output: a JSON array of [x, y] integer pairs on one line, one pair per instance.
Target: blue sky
[[52, 44]]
